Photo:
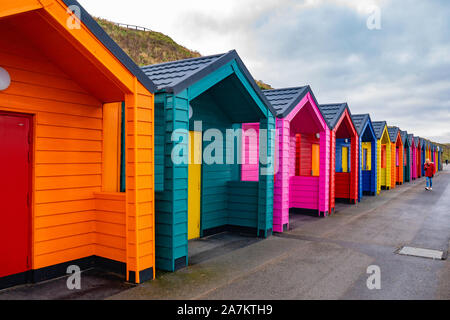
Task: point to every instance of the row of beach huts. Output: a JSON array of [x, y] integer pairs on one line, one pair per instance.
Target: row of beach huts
[[87, 142]]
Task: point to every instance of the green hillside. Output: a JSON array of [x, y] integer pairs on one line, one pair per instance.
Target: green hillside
[[146, 47], [150, 47], [446, 152]]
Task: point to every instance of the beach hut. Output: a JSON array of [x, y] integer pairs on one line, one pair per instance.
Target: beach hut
[[419, 148], [302, 144], [429, 150], [418, 157], [367, 155], [344, 151], [440, 158], [383, 155], [199, 102], [413, 153], [423, 156], [406, 156], [301, 141], [435, 158], [396, 156], [62, 128]]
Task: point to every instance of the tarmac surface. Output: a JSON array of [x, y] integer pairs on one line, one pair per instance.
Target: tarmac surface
[[318, 258]]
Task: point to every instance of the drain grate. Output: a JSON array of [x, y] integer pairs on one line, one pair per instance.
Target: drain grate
[[423, 253]]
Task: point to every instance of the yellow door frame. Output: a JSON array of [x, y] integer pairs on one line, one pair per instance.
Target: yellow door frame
[[194, 184]]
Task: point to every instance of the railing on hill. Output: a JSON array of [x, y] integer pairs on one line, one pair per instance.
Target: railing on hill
[[130, 26]]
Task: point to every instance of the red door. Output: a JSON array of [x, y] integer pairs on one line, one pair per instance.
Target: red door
[[14, 193]]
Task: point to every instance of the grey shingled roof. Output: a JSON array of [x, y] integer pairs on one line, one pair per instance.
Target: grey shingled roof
[[378, 126], [404, 135], [285, 99], [359, 120], [333, 112], [178, 75], [113, 47], [393, 132], [170, 74], [417, 141], [410, 139], [421, 142]]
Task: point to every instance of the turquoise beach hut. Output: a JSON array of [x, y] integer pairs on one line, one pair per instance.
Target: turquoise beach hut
[[196, 102]]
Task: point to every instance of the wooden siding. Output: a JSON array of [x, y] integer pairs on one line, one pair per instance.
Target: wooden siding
[[72, 219], [242, 204], [171, 205], [140, 180], [332, 170], [282, 187], [367, 180], [343, 185], [110, 235], [159, 146], [68, 151], [304, 192], [250, 152]]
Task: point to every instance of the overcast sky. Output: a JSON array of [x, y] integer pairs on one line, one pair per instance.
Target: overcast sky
[[399, 73]]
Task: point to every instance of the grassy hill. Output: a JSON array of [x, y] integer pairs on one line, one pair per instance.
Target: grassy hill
[[150, 47], [146, 47], [446, 152]]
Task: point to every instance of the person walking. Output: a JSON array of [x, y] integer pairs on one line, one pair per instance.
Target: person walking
[[429, 173], [446, 162]]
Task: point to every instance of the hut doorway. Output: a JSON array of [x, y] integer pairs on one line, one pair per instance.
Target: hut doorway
[[194, 184], [15, 196], [345, 159], [385, 161], [306, 134]]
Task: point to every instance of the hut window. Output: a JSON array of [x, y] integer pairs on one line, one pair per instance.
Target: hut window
[[112, 147], [383, 156]]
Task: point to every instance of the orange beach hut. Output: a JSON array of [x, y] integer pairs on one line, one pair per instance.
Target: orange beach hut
[[62, 128]]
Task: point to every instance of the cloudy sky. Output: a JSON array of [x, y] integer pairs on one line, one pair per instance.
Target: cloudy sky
[[399, 72]]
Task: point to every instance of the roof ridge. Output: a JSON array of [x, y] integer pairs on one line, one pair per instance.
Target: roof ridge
[[184, 60], [287, 88]]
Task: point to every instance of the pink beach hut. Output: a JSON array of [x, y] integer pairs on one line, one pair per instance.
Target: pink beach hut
[[413, 152], [302, 155]]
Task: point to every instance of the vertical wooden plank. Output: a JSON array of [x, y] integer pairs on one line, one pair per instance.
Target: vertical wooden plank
[[324, 177], [265, 188]]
